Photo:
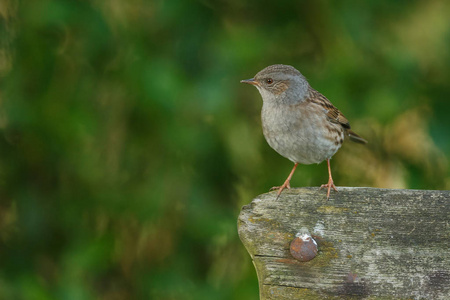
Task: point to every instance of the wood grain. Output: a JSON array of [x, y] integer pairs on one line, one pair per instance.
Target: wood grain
[[375, 243]]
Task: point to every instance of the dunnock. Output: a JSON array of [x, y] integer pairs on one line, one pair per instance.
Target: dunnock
[[298, 122]]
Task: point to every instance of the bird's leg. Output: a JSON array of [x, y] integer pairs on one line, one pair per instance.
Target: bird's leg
[[330, 183], [286, 184]]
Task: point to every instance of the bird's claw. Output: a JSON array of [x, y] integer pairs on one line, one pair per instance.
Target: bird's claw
[[282, 187], [286, 184], [329, 185]]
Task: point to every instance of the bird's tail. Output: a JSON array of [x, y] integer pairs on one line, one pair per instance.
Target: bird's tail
[[356, 138]]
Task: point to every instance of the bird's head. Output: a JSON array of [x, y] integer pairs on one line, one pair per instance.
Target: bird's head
[[280, 83]]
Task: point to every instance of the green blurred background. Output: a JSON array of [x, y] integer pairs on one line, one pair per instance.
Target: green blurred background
[[128, 145]]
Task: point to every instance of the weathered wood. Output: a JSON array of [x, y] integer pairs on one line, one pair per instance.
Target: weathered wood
[[373, 243]]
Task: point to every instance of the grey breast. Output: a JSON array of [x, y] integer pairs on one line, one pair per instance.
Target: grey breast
[[295, 136]]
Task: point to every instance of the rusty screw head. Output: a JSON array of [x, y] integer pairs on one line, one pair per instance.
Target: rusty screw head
[[303, 247]]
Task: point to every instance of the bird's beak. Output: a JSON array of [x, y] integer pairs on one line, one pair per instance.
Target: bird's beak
[[251, 81]]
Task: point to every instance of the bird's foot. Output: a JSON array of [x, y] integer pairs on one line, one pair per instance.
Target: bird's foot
[[286, 184], [329, 185]]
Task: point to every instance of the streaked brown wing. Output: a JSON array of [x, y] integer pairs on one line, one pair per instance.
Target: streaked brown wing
[[333, 114]]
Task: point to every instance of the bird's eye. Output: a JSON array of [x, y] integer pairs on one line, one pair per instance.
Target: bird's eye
[[269, 80]]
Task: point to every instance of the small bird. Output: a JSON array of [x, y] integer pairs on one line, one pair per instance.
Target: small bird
[[298, 122]]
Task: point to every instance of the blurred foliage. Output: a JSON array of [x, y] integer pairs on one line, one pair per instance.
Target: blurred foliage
[[129, 146]]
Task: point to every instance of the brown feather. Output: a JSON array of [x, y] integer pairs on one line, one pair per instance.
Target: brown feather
[[334, 115], [355, 138]]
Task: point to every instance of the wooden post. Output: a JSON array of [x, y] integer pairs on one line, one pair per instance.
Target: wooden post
[[373, 243]]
